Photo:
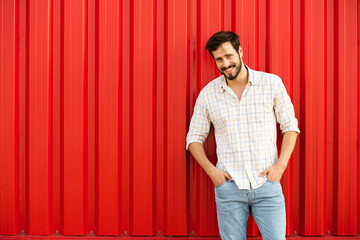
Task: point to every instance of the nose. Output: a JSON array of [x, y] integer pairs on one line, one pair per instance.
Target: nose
[[226, 63]]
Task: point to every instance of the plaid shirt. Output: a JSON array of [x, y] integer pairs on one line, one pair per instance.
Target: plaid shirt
[[245, 129]]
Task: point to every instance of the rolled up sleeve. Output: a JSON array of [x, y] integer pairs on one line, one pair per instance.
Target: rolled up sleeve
[[199, 124], [284, 109]]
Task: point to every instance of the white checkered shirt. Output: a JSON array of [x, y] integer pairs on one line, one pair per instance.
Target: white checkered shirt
[[245, 130]]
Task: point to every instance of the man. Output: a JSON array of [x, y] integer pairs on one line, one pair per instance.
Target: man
[[244, 105]]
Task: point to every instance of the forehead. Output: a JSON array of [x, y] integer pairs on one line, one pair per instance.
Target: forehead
[[225, 48]]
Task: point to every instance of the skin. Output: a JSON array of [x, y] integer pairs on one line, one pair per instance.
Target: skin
[[229, 62]]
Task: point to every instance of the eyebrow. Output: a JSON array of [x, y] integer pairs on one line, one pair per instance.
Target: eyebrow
[[226, 55]]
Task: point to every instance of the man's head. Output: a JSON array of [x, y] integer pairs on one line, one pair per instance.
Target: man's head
[[216, 40], [225, 49]]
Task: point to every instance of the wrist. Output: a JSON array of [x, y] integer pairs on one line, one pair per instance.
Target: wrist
[[209, 169], [282, 163]]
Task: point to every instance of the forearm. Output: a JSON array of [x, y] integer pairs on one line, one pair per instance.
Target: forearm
[[198, 152], [287, 147], [216, 175]]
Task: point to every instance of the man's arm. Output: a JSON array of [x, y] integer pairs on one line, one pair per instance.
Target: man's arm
[[216, 175], [275, 172]]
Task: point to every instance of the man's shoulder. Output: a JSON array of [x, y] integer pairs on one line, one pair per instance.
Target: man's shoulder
[[262, 74], [265, 77], [212, 86]]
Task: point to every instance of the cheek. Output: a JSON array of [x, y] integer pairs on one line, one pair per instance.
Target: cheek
[[218, 66]]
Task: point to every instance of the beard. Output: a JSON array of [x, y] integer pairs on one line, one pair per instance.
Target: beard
[[232, 76]]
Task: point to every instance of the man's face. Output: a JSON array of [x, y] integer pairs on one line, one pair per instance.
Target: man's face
[[228, 60]]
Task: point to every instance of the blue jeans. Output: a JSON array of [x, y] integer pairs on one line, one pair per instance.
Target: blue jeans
[[266, 204]]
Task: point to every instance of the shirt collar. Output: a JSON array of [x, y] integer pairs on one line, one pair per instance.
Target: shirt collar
[[250, 76]]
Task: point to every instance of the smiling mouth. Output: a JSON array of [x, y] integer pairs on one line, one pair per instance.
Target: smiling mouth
[[228, 69]]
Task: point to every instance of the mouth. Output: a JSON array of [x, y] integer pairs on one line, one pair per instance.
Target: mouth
[[229, 69]]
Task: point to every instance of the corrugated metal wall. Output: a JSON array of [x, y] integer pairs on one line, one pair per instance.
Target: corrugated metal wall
[[96, 97]]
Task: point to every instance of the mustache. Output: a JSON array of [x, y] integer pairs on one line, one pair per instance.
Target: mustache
[[225, 68]]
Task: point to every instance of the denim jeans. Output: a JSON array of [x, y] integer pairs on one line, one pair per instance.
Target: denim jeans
[[266, 204]]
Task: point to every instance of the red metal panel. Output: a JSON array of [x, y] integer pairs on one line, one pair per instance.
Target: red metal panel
[[329, 76], [175, 126], [143, 135], [56, 131], [74, 118], [9, 125], [346, 151], [313, 118], [92, 50], [125, 45], [39, 126], [22, 114], [297, 69], [107, 113], [100, 149], [160, 72]]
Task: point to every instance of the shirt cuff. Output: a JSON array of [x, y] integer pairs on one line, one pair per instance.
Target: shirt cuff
[[291, 129], [191, 141]]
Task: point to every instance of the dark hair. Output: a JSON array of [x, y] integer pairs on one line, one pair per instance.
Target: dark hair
[[216, 40]]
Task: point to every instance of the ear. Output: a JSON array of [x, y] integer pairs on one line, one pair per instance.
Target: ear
[[240, 52]]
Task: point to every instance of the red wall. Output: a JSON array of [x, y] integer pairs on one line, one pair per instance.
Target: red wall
[[96, 98]]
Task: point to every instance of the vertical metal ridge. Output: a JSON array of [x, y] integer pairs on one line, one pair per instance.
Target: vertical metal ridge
[[62, 171], [85, 111], [108, 97], [233, 14], [345, 172], [22, 115], [9, 170], [143, 118], [120, 79], [336, 117], [358, 100], [50, 111], [330, 63], [126, 119], [165, 94], [175, 90], [91, 165], [302, 120], [16, 113], [131, 118], [27, 118], [40, 120], [161, 226], [314, 119], [97, 35], [75, 119], [325, 57], [189, 57], [154, 115]]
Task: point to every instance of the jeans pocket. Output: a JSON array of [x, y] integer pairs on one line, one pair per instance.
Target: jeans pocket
[[221, 185]]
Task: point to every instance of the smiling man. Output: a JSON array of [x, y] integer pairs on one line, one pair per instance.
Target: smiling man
[[244, 105]]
